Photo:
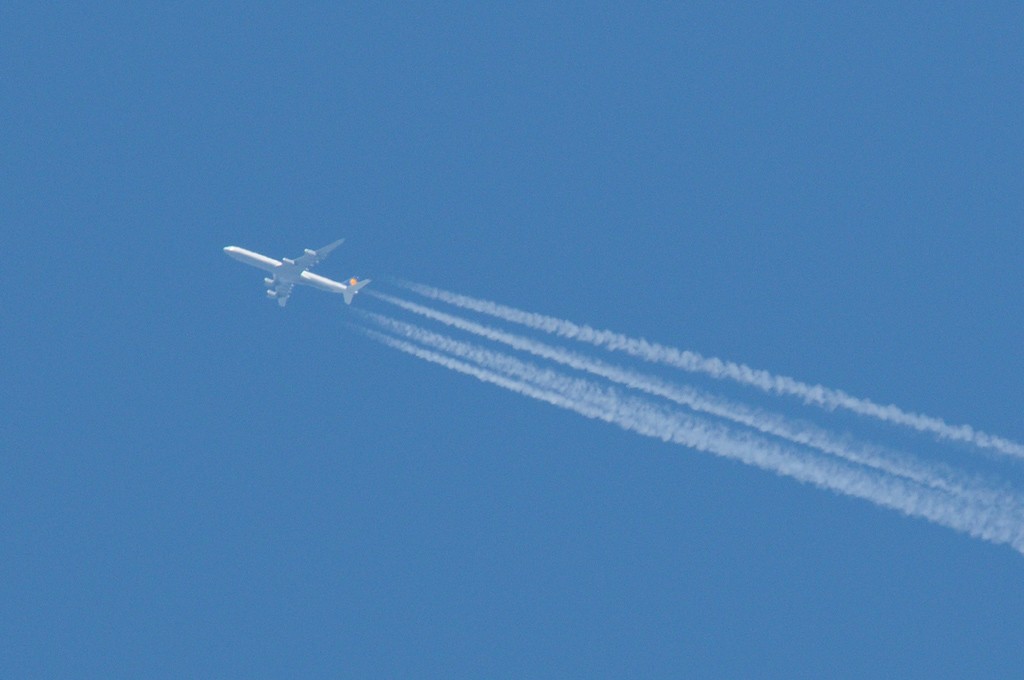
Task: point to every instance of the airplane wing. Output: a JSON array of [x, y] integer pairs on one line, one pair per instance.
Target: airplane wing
[[311, 258], [280, 292]]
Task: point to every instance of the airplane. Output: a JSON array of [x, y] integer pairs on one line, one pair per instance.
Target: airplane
[[285, 274]]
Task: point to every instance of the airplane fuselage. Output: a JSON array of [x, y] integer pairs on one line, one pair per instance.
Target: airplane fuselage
[[255, 259]]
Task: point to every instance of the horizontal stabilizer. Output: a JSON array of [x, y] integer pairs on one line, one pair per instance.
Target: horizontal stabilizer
[[353, 288]]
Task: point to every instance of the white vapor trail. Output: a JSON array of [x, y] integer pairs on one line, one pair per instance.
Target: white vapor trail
[[886, 461], [582, 396], [693, 362]]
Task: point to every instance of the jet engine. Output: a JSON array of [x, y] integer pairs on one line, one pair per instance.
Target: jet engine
[[268, 282], [272, 294]]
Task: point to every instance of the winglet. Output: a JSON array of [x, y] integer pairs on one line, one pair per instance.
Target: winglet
[[352, 288]]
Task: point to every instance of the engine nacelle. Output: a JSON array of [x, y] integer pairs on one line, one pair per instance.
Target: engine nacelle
[[272, 294], [309, 252], [269, 283]]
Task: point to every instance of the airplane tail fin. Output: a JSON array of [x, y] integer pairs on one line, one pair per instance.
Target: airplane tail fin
[[352, 288]]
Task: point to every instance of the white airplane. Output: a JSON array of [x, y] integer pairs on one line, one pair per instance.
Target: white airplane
[[284, 275]]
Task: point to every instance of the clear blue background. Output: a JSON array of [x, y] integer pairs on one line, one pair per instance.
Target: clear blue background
[[198, 484]]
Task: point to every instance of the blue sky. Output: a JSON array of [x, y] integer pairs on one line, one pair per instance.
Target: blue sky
[[196, 483]]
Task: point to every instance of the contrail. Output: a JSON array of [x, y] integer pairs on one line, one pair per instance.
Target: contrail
[[693, 362], [891, 462], [642, 417]]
